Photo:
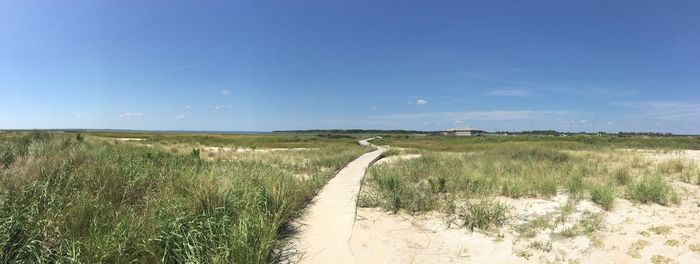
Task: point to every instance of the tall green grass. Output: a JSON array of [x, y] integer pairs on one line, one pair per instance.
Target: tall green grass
[[652, 189], [63, 199], [577, 142], [513, 169]]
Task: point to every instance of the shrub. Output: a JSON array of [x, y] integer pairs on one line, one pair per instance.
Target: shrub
[[603, 195], [652, 189], [483, 214]]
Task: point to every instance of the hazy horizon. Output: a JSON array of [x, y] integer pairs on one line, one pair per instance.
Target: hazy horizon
[[262, 66]]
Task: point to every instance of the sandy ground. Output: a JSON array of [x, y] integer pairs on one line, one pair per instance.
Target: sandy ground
[[396, 158], [657, 156], [629, 233], [324, 230], [128, 139], [262, 150]]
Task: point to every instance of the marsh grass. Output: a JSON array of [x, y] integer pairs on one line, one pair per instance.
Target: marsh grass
[[93, 201]]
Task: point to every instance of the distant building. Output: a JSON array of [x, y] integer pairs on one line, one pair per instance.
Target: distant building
[[463, 132]]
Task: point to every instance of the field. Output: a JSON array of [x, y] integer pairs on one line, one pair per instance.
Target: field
[[107, 197], [148, 198], [536, 192]]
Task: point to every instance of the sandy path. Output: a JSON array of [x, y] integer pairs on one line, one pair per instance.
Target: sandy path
[[325, 230]]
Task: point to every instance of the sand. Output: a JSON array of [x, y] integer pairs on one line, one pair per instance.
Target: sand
[[392, 159], [243, 149], [669, 232], [630, 233]]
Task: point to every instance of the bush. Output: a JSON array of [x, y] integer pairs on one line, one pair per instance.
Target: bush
[[652, 189], [603, 195], [483, 214]]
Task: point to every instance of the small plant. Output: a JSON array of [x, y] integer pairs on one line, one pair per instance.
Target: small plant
[[661, 230], [586, 225], [79, 137], [575, 185], [195, 153], [483, 214], [622, 176], [672, 243], [603, 195], [658, 259], [437, 185], [652, 189], [530, 229], [633, 250]]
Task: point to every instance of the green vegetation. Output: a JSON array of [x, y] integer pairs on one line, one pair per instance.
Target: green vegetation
[[460, 168], [577, 142], [70, 198], [483, 214], [586, 225], [514, 170], [603, 195], [231, 140], [649, 189]]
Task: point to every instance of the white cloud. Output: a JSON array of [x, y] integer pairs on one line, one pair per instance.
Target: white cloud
[[180, 116], [421, 102], [131, 114], [475, 115], [188, 106], [225, 92], [221, 107], [516, 92]]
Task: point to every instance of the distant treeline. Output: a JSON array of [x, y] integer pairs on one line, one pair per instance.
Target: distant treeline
[[355, 131], [334, 132]]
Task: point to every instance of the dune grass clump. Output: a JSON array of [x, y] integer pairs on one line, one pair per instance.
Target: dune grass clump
[[672, 166], [483, 214], [603, 195], [652, 189]]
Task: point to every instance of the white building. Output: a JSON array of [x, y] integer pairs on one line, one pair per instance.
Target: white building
[[463, 132]]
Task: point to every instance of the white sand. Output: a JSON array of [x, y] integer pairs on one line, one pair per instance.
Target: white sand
[[382, 237], [395, 158], [129, 139], [630, 233], [261, 150]]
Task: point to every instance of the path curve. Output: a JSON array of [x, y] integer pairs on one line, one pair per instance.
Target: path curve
[[326, 227]]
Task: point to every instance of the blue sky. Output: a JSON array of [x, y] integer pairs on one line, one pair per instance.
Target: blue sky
[[269, 65]]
